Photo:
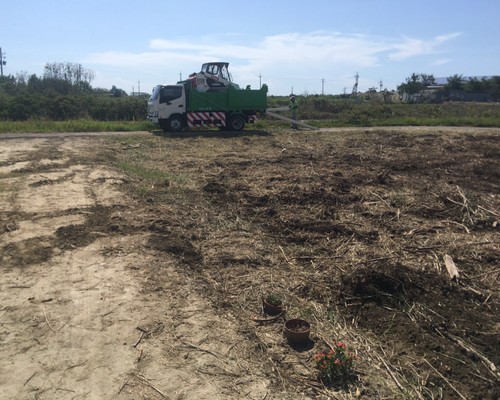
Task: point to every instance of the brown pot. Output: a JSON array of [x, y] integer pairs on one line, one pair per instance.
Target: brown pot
[[297, 331], [271, 309]]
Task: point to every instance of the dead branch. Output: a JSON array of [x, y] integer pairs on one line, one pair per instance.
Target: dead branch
[[459, 224], [486, 300], [486, 273], [146, 382], [270, 319], [450, 266], [140, 355], [385, 202], [46, 319], [391, 373], [470, 349], [124, 384], [446, 380], [139, 340], [489, 211], [46, 300], [77, 365], [148, 332], [284, 255], [109, 312], [29, 379], [193, 346]]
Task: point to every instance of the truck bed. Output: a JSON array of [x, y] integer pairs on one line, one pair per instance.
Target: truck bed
[[229, 99]]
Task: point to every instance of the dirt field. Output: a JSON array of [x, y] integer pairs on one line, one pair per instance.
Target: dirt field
[[133, 267]]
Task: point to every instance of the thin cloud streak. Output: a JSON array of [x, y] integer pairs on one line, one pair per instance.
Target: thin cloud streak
[[412, 47]]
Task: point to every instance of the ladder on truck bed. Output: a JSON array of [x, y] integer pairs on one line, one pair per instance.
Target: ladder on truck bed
[[273, 112]]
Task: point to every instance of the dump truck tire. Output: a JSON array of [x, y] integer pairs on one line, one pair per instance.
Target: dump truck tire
[[163, 124], [175, 123], [236, 123]]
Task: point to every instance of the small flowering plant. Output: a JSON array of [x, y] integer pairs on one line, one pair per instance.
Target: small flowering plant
[[335, 365]]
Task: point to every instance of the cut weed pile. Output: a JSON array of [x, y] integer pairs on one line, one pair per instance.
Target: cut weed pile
[[385, 240], [351, 229]]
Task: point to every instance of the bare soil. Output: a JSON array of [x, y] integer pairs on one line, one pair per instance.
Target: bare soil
[[134, 266]]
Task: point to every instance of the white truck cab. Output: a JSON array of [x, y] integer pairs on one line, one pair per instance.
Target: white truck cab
[[166, 101]]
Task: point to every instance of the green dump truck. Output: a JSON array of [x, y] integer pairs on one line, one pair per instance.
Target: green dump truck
[[208, 98]]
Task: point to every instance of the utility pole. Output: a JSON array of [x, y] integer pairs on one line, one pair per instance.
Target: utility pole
[[260, 81], [138, 87], [2, 61], [355, 87], [180, 76], [323, 86]]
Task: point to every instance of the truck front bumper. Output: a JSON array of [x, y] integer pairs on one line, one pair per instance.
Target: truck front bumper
[[152, 119]]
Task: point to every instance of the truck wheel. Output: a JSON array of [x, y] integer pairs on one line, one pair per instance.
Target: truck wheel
[[163, 124], [175, 123], [236, 123]]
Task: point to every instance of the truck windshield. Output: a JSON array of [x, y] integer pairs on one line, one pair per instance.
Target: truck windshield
[[155, 94]]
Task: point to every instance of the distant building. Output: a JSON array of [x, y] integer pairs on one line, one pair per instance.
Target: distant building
[[438, 93], [443, 81], [140, 94]]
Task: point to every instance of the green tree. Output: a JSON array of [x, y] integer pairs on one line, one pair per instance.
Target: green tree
[[427, 79], [8, 85], [495, 87], [67, 77], [116, 92], [455, 82], [416, 83]]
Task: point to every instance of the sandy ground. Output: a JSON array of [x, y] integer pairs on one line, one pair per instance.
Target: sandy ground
[[75, 322]]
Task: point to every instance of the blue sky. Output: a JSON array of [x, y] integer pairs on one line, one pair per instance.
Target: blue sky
[[311, 46]]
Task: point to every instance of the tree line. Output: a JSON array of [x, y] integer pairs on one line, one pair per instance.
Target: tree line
[[64, 91], [417, 83]]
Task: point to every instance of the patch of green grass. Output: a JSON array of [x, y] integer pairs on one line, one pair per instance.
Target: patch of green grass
[[153, 180], [140, 171], [79, 125]]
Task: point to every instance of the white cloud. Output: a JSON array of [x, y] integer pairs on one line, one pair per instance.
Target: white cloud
[[441, 61], [445, 38], [412, 47], [283, 60]]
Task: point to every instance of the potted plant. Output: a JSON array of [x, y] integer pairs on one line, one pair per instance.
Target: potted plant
[[272, 304], [297, 331]]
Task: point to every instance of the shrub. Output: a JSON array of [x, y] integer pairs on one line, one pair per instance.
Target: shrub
[[335, 365]]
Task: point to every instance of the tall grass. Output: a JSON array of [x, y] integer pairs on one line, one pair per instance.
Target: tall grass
[[328, 111]]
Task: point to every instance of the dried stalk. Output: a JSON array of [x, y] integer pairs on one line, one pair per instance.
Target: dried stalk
[[146, 382], [446, 380], [46, 319]]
